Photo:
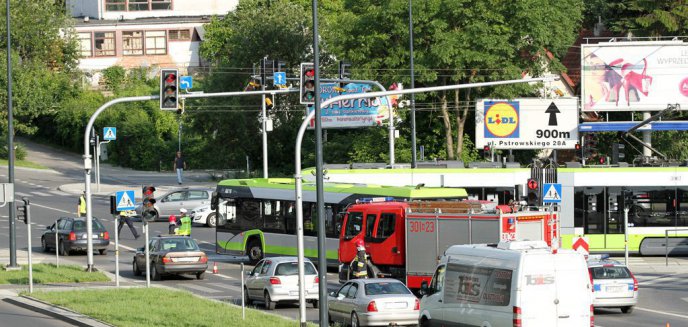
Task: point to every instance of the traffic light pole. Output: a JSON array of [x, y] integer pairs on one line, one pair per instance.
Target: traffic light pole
[[88, 165], [263, 119], [298, 177]]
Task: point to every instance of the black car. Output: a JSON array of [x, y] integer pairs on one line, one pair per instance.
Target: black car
[[171, 255], [73, 236]]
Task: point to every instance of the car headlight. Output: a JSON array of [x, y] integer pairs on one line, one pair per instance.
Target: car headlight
[[201, 210]]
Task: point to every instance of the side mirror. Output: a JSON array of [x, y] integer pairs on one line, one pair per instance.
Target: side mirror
[[333, 294], [48, 227], [249, 273], [214, 201]]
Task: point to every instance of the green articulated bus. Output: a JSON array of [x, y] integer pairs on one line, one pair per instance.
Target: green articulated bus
[[263, 222]]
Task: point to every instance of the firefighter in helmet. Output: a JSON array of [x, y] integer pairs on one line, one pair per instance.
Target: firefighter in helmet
[[359, 266]]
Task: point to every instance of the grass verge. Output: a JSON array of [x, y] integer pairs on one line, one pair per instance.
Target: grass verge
[[23, 163], [49, 273], [157, 307]]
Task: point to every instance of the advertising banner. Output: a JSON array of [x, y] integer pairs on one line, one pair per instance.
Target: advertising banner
[[527, 123], [351, 113], [477, 285], [634, 76]]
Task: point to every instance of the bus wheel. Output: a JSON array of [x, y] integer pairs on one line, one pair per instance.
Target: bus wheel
[[254, 251]]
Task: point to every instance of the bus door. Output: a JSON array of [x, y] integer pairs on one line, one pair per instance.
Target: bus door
[[614, 218]]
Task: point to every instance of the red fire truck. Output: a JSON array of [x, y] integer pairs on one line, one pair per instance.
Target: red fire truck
[[405, 240]]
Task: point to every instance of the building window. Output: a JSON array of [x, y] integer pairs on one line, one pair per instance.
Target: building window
[[132, 43], [138, 5], [115, 5], [155, 42], [180, 35], [85, 46], [104, 43], [161, 4]]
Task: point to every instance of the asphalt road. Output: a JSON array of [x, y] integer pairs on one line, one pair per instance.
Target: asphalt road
[[11, 316], [663, 299]]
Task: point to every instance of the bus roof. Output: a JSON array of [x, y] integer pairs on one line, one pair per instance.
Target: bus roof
[[287, 184]]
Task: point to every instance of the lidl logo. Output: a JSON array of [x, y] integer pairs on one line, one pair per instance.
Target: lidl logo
[[501, 119]]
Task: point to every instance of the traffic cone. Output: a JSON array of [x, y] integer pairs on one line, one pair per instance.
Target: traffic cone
[[214, 267]]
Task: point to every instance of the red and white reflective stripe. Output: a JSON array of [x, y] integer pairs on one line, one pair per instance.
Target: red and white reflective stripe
[[592, 316], [517, 317]]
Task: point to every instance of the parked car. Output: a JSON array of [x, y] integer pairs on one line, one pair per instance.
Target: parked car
[[373, 302], [204, 215], [72, 236], [169, 203], [276, 280], [613, 283], [171, 255]]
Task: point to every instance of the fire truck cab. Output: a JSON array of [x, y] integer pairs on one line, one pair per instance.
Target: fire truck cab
[[405, 240]]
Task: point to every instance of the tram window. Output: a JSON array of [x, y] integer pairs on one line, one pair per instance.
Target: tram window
[[614, 212], [272, 219], [309, 219], [653, 207], [289, 214], [682, 207], [249, 214], [593, 210]]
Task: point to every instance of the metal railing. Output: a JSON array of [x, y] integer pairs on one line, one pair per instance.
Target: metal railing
[[666, 243]]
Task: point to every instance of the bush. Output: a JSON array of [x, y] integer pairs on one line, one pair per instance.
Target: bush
[[114, 77], [19, 152]]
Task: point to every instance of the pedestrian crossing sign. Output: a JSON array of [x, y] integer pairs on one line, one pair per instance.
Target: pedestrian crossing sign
[[125, 200], [551, 193], [110, 133]]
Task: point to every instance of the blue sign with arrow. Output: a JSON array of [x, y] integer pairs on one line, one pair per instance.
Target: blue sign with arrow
[[185, 82], [279, 78]]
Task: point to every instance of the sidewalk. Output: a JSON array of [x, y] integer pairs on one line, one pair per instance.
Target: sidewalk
[[109, 189], [655, 265]]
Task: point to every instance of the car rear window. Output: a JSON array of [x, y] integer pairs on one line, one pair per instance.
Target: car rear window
[[179, 244], [610, 272], [80, 225], [385, 288], [292, 268]]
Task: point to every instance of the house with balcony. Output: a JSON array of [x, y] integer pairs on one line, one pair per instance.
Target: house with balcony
[[142, 33]]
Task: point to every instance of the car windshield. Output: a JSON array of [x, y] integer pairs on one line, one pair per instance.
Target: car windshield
[[179, 244], [610, 272], [292, 268], [80, 225], [385, 288]]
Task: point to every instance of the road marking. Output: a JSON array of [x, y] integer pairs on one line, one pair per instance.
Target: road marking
[[662, 313], [51, 208], [55, 192], [225, 286], [200, 288], [21, 194], [40, 193], [659, 279], [684, 299]]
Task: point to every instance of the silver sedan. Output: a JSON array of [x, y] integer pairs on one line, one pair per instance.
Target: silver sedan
[[373, 302]]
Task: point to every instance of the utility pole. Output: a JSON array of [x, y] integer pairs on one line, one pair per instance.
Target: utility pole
[[10, 149]]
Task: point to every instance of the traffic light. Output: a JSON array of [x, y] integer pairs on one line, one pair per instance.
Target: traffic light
[[533, 192], [279, 66], [344, 72], [148, 212], [618, 154], [268, 103], [113, 205], [487, 155], [589, 146], [169, 89], [23, 211], [307, 88], [579, 151]]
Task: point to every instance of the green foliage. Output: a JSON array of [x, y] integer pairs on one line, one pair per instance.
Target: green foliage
[[648, 18], [19, 151], [114, 77], [50, 274]]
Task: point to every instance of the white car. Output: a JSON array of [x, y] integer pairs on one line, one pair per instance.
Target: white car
[[205, 216], [613, 283], [277, 280]]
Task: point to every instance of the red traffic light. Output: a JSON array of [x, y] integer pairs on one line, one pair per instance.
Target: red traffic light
[[170, 78], [578, 146], [486, 148], [532, 184], [310, 73], [602, 160]]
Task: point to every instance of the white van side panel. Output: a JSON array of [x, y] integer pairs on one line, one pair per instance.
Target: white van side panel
[[573, 284]]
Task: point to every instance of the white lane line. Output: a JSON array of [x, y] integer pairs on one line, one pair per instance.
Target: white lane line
[[40, 193], [21, 194], [662, 312], [228, 287], [684, 299], [32, 184], [55, 192], [51, 208], [200, 288]]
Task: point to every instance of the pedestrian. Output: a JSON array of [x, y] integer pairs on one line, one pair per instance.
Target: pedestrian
[[359, 266], [125, 217], [81, 205], [172, 225], [185, 227], [179, 166]]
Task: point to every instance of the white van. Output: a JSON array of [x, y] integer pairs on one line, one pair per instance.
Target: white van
[[515, 284]]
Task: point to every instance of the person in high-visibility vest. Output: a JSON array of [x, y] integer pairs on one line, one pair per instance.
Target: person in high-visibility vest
[[81, 206], [185, 228], [359, 266], [125, 217]]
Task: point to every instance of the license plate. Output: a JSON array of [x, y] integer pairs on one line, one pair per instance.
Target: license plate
[[293, 293], [615, 289], [185, 259], [396, 305], [85, 237]]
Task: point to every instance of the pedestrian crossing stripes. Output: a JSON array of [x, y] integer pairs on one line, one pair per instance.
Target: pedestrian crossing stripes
[[47, 193], [202, 288], [40, 193]]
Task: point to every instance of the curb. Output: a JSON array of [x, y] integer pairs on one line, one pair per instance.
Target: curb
[[63, 314]]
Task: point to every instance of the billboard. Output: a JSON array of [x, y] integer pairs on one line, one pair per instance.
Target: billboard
[[351, 113], [527, 123], [634, 76]]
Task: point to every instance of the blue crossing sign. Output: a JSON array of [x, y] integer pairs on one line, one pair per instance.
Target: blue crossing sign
[[185, 82], [279, 78], [551, 193], [125, 200], [109, 133]]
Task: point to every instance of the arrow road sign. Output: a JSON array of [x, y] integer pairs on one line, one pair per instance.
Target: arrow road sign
[[125, 200], [110, 133], [580, 244], [185, 82], [552, 110], [279, 78], [551, 193]]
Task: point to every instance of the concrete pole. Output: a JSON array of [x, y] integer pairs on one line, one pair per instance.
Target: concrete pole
[[116, 250]]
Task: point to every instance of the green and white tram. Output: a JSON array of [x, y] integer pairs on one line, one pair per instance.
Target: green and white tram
[[593, 199], [264, 223]]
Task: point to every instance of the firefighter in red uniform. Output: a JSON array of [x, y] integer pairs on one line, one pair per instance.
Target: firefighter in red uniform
[[359, 266]]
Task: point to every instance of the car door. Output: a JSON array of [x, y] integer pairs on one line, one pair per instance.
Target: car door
[[263, 279], [64, 227], [49, 235], [171, 203], [349, 302], [197, 198], [251, 280], [336, 304]]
